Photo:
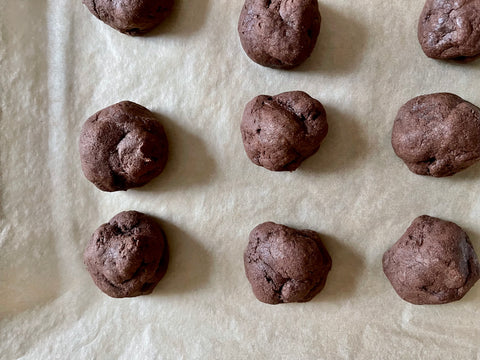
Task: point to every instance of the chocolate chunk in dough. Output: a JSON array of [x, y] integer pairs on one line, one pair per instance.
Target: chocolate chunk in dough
[[281, 131], [127, 256], [122, 146], [437, 134], [284, 264], [279, 33], [132, 17], [432, 263], [450, 29]]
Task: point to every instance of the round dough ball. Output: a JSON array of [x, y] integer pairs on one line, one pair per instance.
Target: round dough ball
[[122, 146], [450, 29], [437, 134], [279, 33], [285, 265], [127, 256], [132, 17], [432, 263], [281, 131]]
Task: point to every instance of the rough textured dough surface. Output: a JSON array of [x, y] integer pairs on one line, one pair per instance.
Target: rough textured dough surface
[[432, 263], [132, 17], [122, 146], [279, 33], [285, 265], [437, 134], [281, 131], [450, 29], [127, 256]]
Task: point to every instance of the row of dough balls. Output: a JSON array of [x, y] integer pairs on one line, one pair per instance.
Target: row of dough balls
[[432, 263], [125, 146], [282, 34]]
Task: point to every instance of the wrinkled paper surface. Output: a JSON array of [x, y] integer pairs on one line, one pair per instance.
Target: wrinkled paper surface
[[59, 65]]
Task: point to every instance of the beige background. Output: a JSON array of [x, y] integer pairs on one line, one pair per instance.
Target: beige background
[[59, 65]]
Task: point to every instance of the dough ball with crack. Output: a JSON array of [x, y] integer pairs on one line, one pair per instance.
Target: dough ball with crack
[[437, 134], [132, 17], [450, 29], [279, 33], [432, 263], [122, 146], [127, 256], [281, 131], [285, 265]]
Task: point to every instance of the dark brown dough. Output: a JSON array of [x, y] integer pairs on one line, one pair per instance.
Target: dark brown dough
[[281, 131], [432, 263], [279, 33], [122, 146], [437, 134], [127, 256], [132, 17], [450, 29], [284, 264]]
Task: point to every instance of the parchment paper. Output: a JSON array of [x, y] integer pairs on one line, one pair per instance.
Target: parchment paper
[[59, 65]]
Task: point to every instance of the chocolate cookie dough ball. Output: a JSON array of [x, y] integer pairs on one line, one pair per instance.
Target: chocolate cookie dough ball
[[284, 264], [437, 134], [132, 17], [432, 263], [122, 146], [279, 33], [450, 29], [127, 256], [281, 131]]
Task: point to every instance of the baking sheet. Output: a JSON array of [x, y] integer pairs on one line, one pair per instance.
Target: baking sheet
[[59, 65]]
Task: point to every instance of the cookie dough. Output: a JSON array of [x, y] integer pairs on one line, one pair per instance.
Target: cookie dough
[[279, 33], [285, 265], [432, 263], [450, 29], [132, 17], [281, 131], [127, 256], [122, 146], [437, 134]]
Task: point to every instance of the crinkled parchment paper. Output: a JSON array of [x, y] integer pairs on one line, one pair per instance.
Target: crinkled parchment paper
[[59, 65]]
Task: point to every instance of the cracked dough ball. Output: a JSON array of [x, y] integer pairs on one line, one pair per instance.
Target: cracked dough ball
[[132, 17], [450, 29], [127, 256], [284, 264], [437, 134], [281, 131], [122, 146], [279, 33], [432, 263]]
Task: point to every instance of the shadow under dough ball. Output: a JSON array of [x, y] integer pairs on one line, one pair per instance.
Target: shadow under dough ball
[[281, 131], [279, 33], [122, 146], [127, 256], [131, 17], [285, 265], [432, 263], [450, 29], [437, 134]]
